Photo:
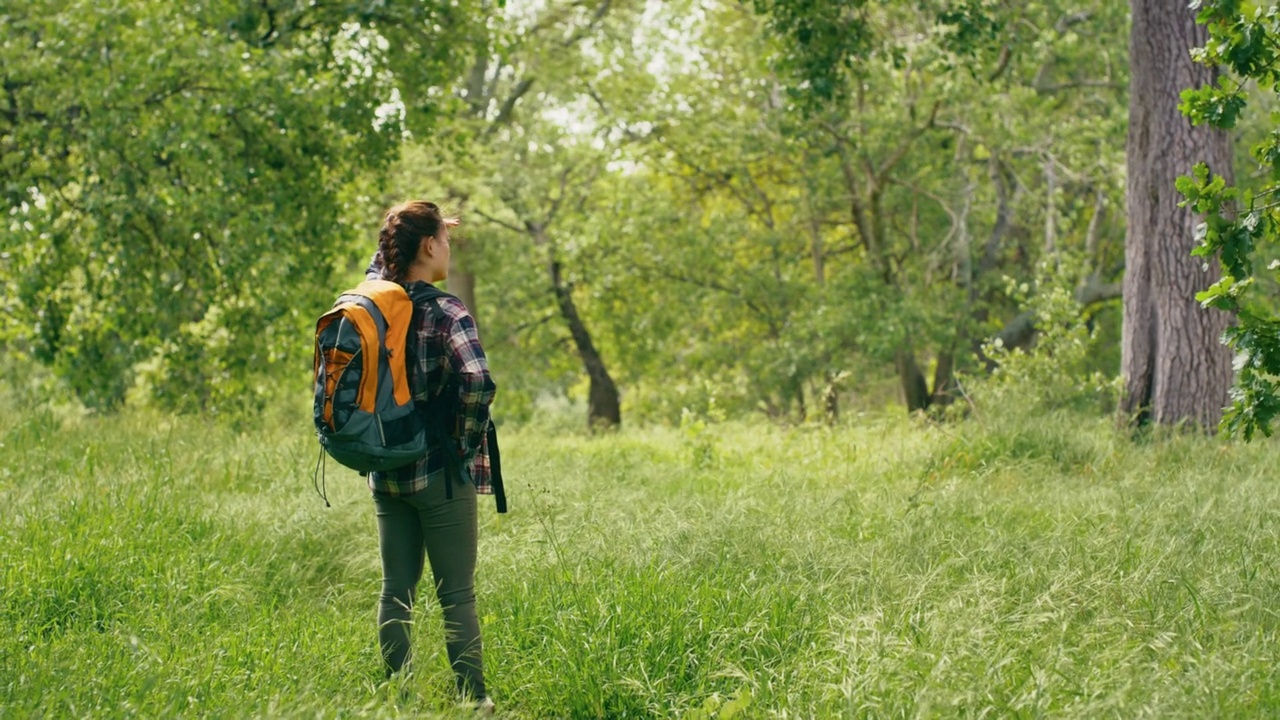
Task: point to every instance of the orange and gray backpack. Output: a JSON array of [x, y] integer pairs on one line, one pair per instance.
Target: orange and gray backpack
[[365, 416]]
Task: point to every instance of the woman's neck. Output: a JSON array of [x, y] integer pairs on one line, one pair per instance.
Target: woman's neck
[[416, 273]]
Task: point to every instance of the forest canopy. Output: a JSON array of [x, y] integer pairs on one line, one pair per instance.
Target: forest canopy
[[783, 207]]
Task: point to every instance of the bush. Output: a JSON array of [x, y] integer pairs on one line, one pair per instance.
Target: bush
[[1056, 372]]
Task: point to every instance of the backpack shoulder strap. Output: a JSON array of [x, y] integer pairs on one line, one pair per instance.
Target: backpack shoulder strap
[[422, 293]]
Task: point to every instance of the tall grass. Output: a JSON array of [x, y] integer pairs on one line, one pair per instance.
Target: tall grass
[[157, 566]]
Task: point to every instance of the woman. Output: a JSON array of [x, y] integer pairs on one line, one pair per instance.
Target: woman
[[421, 510]]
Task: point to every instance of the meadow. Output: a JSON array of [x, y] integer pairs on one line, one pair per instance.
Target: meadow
[[1007, 567]]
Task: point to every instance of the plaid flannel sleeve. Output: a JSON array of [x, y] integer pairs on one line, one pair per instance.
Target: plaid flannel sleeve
[[374, 271], [475, 386]]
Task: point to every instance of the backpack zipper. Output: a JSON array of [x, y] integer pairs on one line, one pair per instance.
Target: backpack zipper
[[382, 436]]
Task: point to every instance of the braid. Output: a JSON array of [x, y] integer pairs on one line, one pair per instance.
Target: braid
[[389, 249], [403, 231]]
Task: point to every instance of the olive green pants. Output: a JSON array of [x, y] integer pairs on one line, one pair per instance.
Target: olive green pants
[[427, 526]]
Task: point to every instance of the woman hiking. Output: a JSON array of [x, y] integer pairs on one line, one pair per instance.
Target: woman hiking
[[427, 511]]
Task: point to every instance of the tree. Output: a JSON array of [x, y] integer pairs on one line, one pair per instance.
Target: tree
[[939, 179], [176, 177], [1241, 225], [528, 175], [1174, 368]]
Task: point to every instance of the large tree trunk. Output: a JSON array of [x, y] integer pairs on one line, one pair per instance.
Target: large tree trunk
[[1174, 365], [604, 407]]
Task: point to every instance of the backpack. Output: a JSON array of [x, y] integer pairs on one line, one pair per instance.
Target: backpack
[[364, 369], [364, 412]]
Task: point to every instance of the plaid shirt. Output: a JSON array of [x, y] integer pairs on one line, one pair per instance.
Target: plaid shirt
[[448, 347]]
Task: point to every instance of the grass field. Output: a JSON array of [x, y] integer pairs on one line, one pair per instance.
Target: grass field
[[170, 567]]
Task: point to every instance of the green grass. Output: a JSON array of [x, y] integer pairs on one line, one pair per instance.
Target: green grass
[[157, 567]]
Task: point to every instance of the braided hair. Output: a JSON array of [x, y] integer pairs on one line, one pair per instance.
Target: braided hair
[[403, 230]]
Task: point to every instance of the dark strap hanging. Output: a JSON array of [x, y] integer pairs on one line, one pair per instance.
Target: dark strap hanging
[[495, 469]]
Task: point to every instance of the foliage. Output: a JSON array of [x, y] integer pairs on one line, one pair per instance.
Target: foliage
[[827, 43], [823, 239], [1241, 224], [174, 178], [1057, 372], [828, 40], [722, 229]]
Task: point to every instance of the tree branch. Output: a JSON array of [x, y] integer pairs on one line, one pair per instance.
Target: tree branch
[[509, 105], [269, 36], [1019, 331], [555, 203], [1006, 53], [1070, 19], [601, 11], [1004, 212], [906, 144], [714, 285], [716, 179], [524, 327], [497, 221]]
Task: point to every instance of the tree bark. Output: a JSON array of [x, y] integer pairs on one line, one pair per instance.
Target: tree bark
[[604, 407], [1174, 366], [915, 388], [462, 282], [831, 398], [944, 379]]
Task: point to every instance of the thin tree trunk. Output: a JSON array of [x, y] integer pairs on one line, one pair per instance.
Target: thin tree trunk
[[1095, 225], [944, 379], [1050, 209], [915, 389], [604, 407], [830, 392], [831, 398], [963, 275], [462, 282], [817, 252], [1174, 366]]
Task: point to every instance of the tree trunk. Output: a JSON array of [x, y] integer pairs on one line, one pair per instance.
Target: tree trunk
[[915, 389], [831, 398], [944, 379], [1175, 367], [604, 407], [462, 282]]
